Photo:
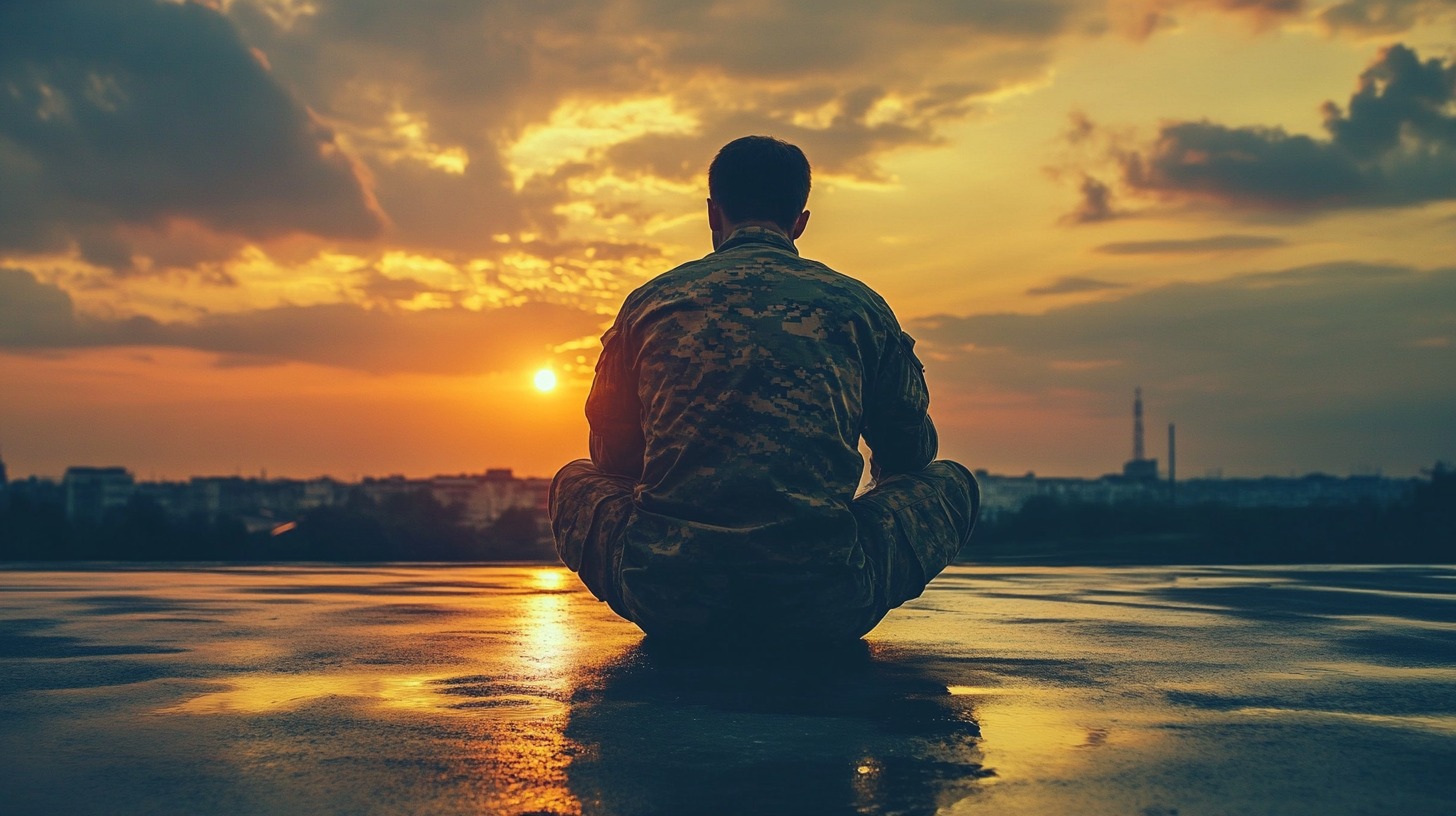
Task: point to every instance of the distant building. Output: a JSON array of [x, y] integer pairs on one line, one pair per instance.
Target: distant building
[[379, 488], [484, 498], [1008, 494], [481, 497], [260, 503], [91, 491], [1139, 468]]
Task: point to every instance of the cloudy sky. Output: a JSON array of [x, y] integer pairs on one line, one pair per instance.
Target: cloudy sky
[[341, 236]]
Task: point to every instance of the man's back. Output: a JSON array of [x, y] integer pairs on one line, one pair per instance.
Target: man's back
[[726, 414], [741, 384]]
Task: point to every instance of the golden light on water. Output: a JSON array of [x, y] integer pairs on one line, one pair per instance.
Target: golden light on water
[[545, 380]]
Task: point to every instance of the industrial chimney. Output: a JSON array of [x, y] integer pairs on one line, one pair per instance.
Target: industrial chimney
[[1139, 468]]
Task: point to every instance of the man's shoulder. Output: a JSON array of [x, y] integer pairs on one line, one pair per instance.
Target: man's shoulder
[[737, 266]]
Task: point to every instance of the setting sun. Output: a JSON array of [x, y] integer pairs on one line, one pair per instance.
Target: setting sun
[[545, 380]]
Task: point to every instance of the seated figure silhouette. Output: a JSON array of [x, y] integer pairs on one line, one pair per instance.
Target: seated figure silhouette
[[729, 402]]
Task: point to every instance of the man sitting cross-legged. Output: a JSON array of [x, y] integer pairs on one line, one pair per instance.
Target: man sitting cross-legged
[[726, 414]]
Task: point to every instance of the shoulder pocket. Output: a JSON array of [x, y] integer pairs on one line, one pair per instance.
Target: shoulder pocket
[[907, 345], [611, 336]]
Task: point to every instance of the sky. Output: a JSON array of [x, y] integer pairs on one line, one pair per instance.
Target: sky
[[342, 237]]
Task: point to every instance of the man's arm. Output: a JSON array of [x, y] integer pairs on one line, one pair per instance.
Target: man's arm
[[898, 429], [614, 412]]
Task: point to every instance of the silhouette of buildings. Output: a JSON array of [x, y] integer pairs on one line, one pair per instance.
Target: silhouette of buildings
[[92, 491], [1139, 482], [482, 498], [89, 493], [260, 503], [1000, 494]]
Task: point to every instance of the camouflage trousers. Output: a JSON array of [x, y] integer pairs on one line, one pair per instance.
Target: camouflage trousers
[[909, 527]]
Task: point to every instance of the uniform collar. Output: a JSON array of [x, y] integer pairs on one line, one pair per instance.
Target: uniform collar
[[758, 235]]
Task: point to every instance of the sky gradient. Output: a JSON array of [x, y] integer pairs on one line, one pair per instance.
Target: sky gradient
[[342, 236]]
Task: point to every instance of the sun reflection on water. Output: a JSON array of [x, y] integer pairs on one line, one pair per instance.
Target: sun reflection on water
[[502, 682], [500, 672], [266, 693]]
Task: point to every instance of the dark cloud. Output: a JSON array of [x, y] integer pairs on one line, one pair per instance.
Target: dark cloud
[[775, 40], [1336, 274], [1095, 203], [137, 112], [1213, 243], [1142, 18], [1080, 128], [1395, 145], [444, 211], [35, 317], [1325, 366], [1072, 285], [32, 314], [1375, 17], [559, 251], [387, 289], [849, 145]]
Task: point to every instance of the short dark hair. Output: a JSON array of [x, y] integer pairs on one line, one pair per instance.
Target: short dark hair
[[760, 178]]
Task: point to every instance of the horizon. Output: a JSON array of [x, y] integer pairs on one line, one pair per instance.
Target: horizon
[[267, 474], [320, 237]]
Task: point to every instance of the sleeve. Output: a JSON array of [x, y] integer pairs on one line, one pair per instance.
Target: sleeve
[[613, 410], [898, 429]]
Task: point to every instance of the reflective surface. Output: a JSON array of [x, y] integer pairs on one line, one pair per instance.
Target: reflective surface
[[509, 690]]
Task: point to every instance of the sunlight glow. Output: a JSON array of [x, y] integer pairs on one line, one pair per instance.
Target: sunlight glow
[[577, 130], [404, 136], [545, 380]]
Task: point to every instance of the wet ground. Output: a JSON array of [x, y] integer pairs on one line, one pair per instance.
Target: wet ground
[[509, 690]]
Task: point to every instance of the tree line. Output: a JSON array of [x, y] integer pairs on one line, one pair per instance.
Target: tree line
[[414, 526], [411, 526]]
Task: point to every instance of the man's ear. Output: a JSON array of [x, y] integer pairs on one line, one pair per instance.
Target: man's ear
[[715, 216], [799, 224]]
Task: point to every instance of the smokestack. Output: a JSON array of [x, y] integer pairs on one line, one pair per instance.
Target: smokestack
[[1172, 462], [1137, 424]]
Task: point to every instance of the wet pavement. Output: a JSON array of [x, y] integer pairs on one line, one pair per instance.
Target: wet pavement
[[509, 690]]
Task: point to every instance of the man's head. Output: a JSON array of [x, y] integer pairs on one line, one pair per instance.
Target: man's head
[[758, 180]]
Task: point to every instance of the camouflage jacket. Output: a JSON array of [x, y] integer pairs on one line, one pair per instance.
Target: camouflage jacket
[[734, 390]]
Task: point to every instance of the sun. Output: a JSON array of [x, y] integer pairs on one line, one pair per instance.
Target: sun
[[545, 380]]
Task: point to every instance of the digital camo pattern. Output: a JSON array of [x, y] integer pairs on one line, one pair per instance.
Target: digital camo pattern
[[732, 392]]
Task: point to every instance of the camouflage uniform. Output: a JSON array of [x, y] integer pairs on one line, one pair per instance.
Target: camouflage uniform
[[729, 401]]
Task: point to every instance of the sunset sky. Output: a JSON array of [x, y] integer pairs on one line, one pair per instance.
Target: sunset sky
[[343, 236]]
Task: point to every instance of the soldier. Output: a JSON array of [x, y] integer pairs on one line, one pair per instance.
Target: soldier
[[729, 401]]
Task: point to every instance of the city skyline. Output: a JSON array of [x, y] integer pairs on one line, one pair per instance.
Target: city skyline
[[1159, 466], [348, 237]]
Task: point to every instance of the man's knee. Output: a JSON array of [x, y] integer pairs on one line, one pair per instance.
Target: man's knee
[[564, 483], [961, 491], [912, 495], [583, 505], [589, 509], [913, 525]]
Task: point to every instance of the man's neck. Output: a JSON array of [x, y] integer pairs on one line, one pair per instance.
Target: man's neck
[[757, 236], [730, 229]]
